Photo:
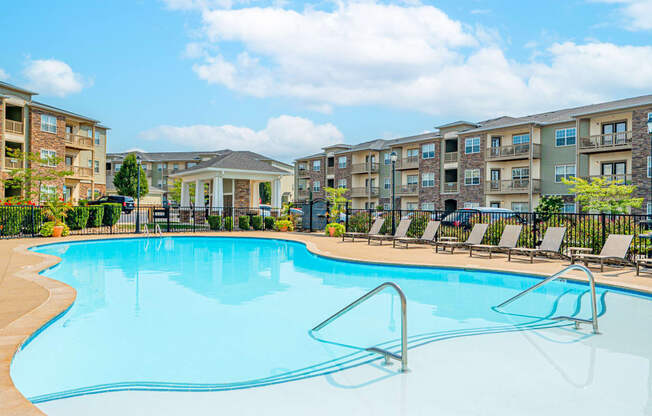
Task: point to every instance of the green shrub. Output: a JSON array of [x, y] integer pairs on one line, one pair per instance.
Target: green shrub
[[243, 222], [359, 222], [77, 218], [214, 222], [228, 223], [284, 223], [83, 202], [257, 222], [95, 215], [269, 223], [46, 229], [11, 220], [339, 229], [111, 214], [418, 225]]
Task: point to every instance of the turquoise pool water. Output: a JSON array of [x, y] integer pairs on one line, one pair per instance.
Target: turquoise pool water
[[202, 313]]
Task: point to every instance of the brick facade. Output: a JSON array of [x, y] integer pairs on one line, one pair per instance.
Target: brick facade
[[431, 194], [41, 140], [471, 193], [641, 148], [344, 173], [317, 176]]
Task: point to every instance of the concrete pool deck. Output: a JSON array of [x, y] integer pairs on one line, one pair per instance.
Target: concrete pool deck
[[29, 300]]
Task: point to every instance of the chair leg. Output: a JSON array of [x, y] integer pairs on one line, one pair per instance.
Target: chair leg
[[470, 251], [490, 250], [531, 257], [638, 268], [509, 255], [601, 265]]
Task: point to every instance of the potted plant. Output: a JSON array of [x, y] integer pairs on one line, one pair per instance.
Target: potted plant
[[284, 225], [334, 229], [56, 210]]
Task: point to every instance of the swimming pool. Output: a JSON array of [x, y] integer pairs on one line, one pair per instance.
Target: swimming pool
[[203, 313]]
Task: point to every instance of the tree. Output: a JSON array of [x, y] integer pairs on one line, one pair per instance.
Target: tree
[[126, 179], [175, 191], [603, 195], [549, 204], [265, 192], [39, 171], [337, 201]]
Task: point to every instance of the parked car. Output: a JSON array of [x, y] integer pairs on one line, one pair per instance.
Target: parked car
[[462, 217], [127, 202]]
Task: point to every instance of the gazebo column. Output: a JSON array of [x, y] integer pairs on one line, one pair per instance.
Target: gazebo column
[[255, 193], [276, 193], [185, 194], [199, 193], [218, 194]]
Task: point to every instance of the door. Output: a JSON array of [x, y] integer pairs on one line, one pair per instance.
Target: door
[[614, 170], [495, 146], [68, 160], [614, 133], [450, 205], [494, 204], [495, 179]]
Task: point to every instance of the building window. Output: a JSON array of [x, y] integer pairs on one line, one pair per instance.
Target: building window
[[565, 137], [89, 194], [412, 206], [412, 153], [387, 206], [388, 183], [386, 159], [649, 208], [47, 156], [468, 205], [427, 180], [117, 166], [521, 139], [520, 173], [90, 163], [190, 164], [520, 206], [159, 167], [316, 186], [144, 166], [175, 167], [341, 183], [413, 179], [316, 165], [564, 172], [568, 208], [428, 151], [428, 206], [97, 166], [472, 177], [48, 192], [649, 166], [341, 162], [48, 123], [472, 145]]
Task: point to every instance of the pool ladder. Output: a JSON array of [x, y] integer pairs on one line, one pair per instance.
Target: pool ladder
[[594, 309], [387, 354], [157, 231]]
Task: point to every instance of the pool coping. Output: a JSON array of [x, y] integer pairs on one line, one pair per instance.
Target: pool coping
[[61, 296]]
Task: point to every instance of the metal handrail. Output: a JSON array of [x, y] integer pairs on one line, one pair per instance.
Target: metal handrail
[[594, 302], [157, 230], [387, 354], [146, 228]]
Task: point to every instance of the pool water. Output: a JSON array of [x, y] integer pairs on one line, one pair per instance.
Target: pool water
[[207, 313]]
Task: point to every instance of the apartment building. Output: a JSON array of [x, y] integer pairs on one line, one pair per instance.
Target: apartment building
[[161, 166], [508, 162], [35, 127]]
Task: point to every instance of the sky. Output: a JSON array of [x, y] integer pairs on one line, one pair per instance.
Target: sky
[[285, 78]]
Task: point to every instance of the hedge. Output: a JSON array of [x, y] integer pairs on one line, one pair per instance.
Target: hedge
[[111, 214], [228, 223], [95, 215], [14, 220], [269, 223], [77, 217], [243, 222], [257, 222], [214, 222]]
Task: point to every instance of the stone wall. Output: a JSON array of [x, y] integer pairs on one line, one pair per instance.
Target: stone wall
[[470, 193], [242, 193], [640, 151], [431, 194], [49, 141], [317, 176], [344, 173]]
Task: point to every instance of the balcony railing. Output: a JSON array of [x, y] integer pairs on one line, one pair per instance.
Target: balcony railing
[[15, 127], [513, 186], [80, 171], [11, 163], [451, 187], [80, 142], [412, 189], [514, 151], [365, 191], [303, 194], [330, 170], [364, 167], [606, 142], [303, 172], [411, 162], [625, 179], [450, 157]]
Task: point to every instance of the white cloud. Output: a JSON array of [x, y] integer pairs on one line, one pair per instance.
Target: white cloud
[[196, 4], [636, 14], [53, 77], [414, 58], [284, 137], [3, 75]]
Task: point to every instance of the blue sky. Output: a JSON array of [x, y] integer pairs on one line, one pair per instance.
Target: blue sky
[[285, 78]]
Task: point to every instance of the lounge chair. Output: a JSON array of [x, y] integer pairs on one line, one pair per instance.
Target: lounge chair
[[401, 232], [551, 244], [642, 261], [508, 240], [375, 229], [476, 236], [428, 236], [614, 250]]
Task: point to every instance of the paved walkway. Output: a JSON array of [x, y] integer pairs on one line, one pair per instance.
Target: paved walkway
[[29, 300]]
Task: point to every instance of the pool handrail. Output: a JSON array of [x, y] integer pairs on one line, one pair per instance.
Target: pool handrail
[[387, 354], [157, 230], [577, 321]]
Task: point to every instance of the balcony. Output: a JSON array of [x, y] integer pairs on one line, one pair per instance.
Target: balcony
[[412, 189], [303, 194], [11, 163], [606, 142], [364, 167], [513, 186], [15, 127], [450, 157], [79, 142], [513, 152], [411, 162], [80, 172], [451, 188], [330, 170], [625, 179], [365, 191]]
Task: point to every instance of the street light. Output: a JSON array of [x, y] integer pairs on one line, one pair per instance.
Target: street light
[[393, 157], [138, 158]]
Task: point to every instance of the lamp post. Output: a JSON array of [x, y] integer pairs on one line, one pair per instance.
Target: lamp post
[[393, 157], [138, 158]]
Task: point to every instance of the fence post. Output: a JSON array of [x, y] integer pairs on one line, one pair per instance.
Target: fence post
[[310, 202], [603, 218], [167, 215], [346, 219], [33, 228], [369, 220], [535, 227]]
